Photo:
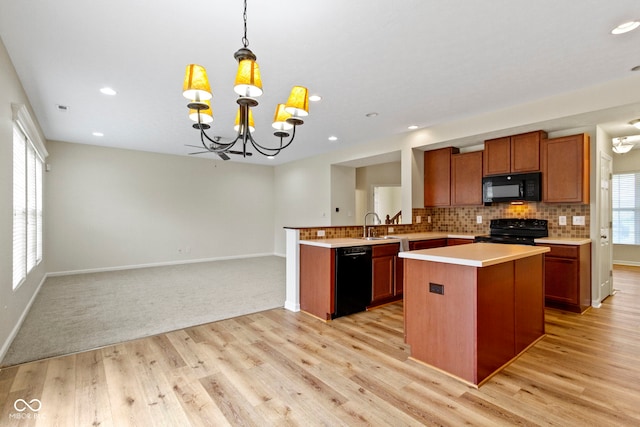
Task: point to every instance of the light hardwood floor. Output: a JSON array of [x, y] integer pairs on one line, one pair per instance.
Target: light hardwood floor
[[284, 368]]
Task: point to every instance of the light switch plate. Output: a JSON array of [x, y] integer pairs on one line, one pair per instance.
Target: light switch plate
[[320, 233], [562, 220], [418, 219], [479, 219], [578, 220], [390, 230]]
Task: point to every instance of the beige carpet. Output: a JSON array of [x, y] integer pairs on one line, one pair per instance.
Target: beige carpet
[[85, 311]]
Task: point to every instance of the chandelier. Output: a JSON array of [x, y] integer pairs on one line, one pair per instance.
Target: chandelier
[[248, 86], [622, 145]]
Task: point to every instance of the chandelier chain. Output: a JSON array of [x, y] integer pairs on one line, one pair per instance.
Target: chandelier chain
[[245, 40]]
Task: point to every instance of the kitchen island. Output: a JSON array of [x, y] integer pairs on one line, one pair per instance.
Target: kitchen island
[[471, 309]]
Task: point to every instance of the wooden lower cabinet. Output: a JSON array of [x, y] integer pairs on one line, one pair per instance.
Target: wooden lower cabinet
[[568, 277], [317, 281], [383, 264], [479, 320]]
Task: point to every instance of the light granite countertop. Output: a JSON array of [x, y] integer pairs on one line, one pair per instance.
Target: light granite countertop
[[475, 254]]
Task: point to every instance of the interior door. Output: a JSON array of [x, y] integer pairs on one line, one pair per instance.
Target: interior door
[[604, 223]]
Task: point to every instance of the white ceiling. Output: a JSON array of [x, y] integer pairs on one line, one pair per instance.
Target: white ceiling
[[422, 62]]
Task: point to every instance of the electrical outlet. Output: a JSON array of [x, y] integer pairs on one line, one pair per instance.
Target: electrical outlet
[[562, 220], [429, 219], [390, 230], [479, 219], [418, 219], [578, 220], [320, 233]]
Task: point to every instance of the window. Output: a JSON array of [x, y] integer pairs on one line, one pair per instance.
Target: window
[[626, 208], [27, 196]]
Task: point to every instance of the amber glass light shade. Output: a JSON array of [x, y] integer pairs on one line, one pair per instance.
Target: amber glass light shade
[[206, 114], [248, 81], [251, 124], [298, 103], [280, 119], [196, 84]]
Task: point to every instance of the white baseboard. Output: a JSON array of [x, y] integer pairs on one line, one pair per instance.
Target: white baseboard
[[14, 332], [154, 264], [291, 306], [627, 263]]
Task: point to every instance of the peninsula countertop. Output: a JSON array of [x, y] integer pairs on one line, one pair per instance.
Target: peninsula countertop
[[475, 254], [392, 238]]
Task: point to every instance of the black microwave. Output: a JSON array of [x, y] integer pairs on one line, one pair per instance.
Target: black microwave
[[521, 187]]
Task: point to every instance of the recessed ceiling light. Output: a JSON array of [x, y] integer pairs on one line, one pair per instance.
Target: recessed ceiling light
[[412, 127], [108, 91], [98, 134], [315, 98], [626, 27], [333, 138], [372, 114]]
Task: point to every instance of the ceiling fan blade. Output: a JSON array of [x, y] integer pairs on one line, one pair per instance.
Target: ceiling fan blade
[[239, 153], [223, 156], [199, 152]]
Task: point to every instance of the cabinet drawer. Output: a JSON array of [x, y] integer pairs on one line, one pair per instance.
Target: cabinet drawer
[[562, 251], [427, 244], [385, 250]]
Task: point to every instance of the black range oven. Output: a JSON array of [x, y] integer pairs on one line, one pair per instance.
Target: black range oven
[[515, 231]]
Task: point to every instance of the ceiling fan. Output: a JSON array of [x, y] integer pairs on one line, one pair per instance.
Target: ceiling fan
[[211, 147]]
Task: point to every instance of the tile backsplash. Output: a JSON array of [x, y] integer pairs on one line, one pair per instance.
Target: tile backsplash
[[463, 220]]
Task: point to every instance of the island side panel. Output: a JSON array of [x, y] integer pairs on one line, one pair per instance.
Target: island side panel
[[317, 281], [496, 331], [441, 328], [529, 302]]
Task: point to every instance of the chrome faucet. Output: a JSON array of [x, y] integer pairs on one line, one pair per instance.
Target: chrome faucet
[[364, 227]]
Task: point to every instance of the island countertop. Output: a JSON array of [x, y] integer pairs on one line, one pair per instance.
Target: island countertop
[[475, 254]]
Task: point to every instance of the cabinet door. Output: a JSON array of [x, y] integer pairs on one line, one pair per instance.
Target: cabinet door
[[383, 277], [466, 179], [565, 169], [561, 279], [497, 156], [437, 176], [525, 152]]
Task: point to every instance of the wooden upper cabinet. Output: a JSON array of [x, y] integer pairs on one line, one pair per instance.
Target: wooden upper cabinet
[[466, 179], [565, 169], [497, 156], [437, 176], [513, 154]]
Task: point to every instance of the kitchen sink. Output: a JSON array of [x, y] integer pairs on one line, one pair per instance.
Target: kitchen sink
[[378, 238]]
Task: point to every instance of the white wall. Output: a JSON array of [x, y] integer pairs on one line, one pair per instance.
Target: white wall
[[112, 208], [343, 187], [368, 176], [13, 304]]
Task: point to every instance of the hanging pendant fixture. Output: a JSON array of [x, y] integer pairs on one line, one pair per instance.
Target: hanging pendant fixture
[[248, 86]]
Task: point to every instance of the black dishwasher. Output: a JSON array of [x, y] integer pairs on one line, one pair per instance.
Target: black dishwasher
[[353, 280]]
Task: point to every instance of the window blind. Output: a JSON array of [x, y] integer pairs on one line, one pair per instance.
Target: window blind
[[19, 208], [626, 208], [27, 206]]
